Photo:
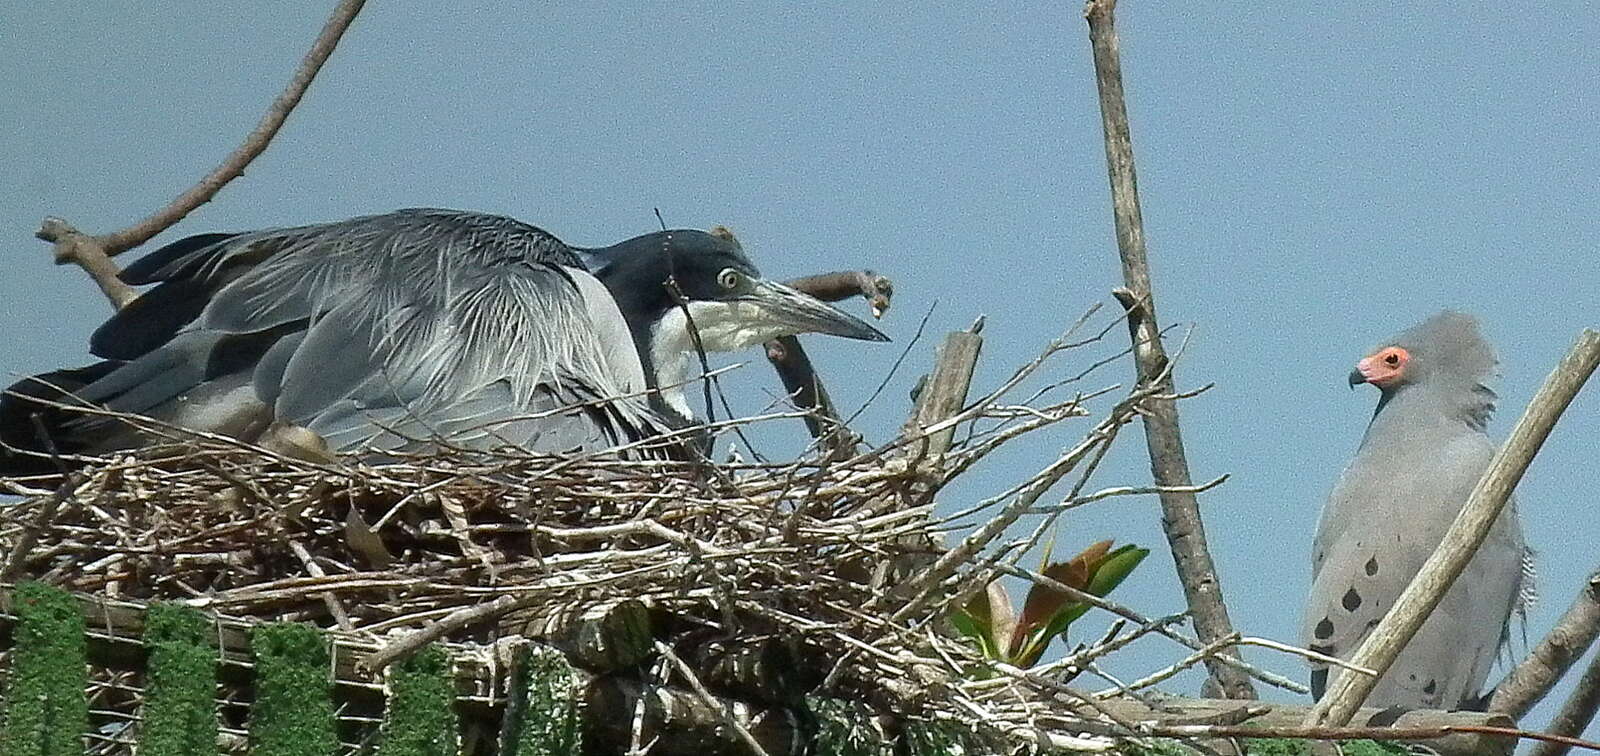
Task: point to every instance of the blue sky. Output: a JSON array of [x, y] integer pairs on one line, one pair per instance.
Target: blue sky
[[1315, 177]]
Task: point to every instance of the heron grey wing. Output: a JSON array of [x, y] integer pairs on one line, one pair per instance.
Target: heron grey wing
[[492, 345], [189, 273], [175, 260], [267, 375]]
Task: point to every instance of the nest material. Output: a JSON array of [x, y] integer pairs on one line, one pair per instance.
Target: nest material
[[828, 573], [394, 547]]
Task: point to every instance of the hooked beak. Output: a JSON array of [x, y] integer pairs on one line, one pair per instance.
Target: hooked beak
[[797, 312], [1356, 378]]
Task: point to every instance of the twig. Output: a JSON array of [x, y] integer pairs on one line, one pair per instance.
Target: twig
[[93, 253], [1180, 510], [1468, 532], [1352, 733], [922, 586], [1528, 684], [794, 368], [1575, 714], [710, 700], [23, 548], [456, 620], [1158, 627]]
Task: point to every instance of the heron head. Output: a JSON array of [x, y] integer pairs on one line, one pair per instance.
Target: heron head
[[731, 304]]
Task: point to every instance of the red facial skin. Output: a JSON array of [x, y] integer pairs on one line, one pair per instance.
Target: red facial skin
[[1384, 368]]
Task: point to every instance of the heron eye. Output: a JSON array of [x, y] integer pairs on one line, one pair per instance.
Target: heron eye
[[728, 278]]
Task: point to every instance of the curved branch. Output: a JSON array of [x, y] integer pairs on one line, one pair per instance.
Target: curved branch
[[1549, 661], [254, 144], [794, 368], [94, 253]]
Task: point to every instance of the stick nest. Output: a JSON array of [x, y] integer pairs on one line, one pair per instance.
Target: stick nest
[[841, 563]]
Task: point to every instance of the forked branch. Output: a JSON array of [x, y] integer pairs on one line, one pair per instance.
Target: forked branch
[[94, 253]]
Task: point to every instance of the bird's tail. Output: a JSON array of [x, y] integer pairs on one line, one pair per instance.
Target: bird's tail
[[36, 437]]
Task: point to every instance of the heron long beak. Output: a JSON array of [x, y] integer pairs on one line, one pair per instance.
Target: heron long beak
[[798, 312]]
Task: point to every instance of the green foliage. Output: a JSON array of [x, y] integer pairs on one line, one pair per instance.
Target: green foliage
[[544, 709], [293, 711], [180, 716], [1157, 748], [846, 728], [47, 714], [1276, 747], [421, 718], [1288, 747], [1373, 748], [1046, 614]]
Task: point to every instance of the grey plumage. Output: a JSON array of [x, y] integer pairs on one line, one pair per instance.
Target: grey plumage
[[1422, 454], [388, 332], [409, 330]]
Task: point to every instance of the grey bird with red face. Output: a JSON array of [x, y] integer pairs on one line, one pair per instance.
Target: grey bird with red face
[[1423, 453]]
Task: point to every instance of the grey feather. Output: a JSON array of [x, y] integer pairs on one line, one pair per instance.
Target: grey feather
[[384, 331], [1422, 454]]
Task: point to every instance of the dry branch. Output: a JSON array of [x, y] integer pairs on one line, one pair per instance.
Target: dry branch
[[1576, 713], [1216, 719], [1180, 510], [1526, 685], [745, 574], [93, 253], [947, 386], [1466, 534], [794, 368]]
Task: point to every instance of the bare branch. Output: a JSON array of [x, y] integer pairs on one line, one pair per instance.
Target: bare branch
[[1180, 510], [1528, 684], [254, 144], [1575, 714], [844, 284], [1466, 534], [794, 368], [93, 253]]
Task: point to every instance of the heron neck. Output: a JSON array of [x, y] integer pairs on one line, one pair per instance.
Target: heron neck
[[669, 345]]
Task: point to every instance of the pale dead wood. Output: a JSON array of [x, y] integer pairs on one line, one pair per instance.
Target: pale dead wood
[[93, 253], [1575, 714], [946, 389], [1180, 510], [1526, 685], [1216, 719], [1466, 534], [728, 716]]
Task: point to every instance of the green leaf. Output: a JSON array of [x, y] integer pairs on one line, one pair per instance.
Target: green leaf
[[1107, 570], [1043, 603], [1110, 573], [987, 619]]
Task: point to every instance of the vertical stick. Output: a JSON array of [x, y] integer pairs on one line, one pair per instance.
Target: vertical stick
[[946, 392], [1180, 511], [1466, 534]]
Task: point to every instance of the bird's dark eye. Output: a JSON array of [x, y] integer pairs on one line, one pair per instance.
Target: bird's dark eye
[[728, 278], [1392, 359]]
